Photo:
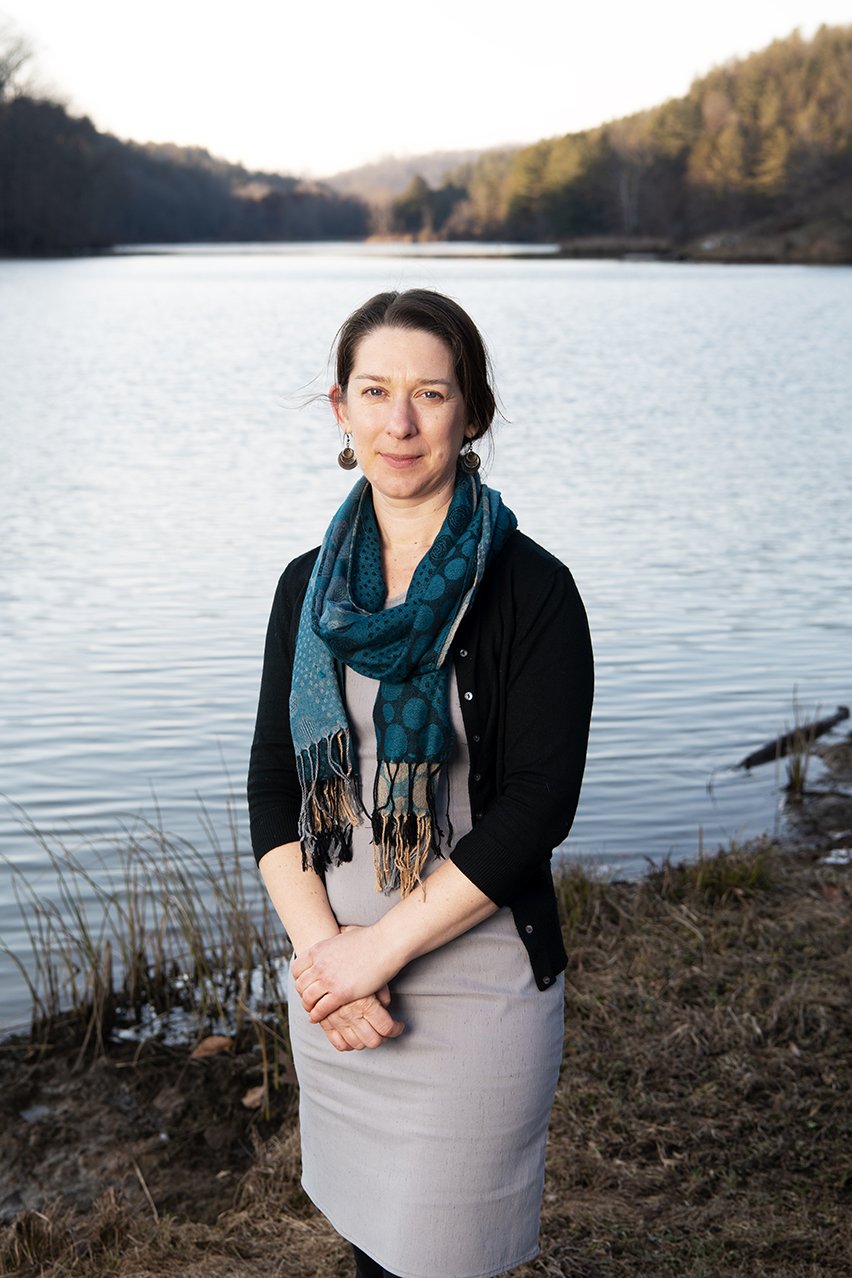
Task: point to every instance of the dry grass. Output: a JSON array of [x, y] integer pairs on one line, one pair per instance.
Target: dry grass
[[702, 1122], [143, 927]]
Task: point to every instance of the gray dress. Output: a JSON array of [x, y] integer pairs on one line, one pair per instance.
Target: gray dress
[[428, 1152]]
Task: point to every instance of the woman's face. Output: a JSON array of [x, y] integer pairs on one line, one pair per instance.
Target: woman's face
[[405, 413]]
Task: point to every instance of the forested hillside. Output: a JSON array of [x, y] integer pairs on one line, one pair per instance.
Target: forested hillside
[[64, 186], [756, 160], [757, 139]]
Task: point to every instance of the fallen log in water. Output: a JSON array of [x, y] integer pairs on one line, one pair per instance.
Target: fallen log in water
[[798, 739]]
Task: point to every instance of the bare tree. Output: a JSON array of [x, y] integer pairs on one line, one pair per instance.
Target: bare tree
[[15, 52], [631, 158]]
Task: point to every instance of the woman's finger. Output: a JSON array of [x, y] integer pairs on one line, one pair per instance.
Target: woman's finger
[[336, 1039], [313, 985], [353, 1038], [369, 1037], [310, 994], [358, 1035], [371, 1023], [380, 1019], [304, 978], [322, 1007], [314, 988]]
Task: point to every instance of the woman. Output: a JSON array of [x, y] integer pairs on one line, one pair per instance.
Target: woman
[[438, 672]]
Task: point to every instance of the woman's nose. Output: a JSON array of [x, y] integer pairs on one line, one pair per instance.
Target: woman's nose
[[401, 420]]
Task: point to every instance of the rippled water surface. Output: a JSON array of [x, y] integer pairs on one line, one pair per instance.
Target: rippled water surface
[[678, 434]]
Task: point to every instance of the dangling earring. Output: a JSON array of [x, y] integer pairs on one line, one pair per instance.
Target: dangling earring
[[469, 460], [346, 458]]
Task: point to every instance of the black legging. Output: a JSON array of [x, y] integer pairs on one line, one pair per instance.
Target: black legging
[[365, 1267]]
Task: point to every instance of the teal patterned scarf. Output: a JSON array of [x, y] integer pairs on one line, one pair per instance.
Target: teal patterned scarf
[[344, 620]]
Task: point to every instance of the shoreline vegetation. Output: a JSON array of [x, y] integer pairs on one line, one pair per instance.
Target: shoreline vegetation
[[753, 164], [702, 1121]]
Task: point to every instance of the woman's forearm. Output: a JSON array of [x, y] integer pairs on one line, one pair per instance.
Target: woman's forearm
[[299, 897], [337, 970], [442, 908]]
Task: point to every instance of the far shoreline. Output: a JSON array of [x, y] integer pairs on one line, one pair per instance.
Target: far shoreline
[[722, 249]]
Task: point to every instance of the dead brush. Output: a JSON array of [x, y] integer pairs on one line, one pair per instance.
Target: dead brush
[[803, 1012], [62, 1243], [273, 1210], [142, 927], [35, 1239], [586, 900], [799, 754], [59, 1241], [702, 1113], [728, 875]]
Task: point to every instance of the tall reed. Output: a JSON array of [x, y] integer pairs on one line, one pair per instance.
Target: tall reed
[[142, 925]]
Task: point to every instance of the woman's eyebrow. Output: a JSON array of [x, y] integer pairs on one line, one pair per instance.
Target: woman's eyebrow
[[420, 381]]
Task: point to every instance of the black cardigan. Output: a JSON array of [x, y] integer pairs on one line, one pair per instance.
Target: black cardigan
[[523, 662]]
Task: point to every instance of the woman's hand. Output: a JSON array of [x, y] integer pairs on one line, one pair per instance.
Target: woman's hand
[[341, 970], [362, 1023]]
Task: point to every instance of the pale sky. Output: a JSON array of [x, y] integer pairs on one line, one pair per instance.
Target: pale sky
[[326, 85]]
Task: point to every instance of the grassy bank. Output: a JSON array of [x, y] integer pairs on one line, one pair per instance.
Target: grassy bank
[[701, 1127]]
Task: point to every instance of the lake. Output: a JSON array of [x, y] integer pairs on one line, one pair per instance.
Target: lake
[[679, 434]]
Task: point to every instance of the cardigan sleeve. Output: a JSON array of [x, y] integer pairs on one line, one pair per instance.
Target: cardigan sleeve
[[274, 795], [543, 690]]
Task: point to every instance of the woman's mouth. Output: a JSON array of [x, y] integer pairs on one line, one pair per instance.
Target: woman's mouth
[[397, 461]]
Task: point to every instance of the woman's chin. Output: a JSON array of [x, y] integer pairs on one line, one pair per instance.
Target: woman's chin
[[412, 483]]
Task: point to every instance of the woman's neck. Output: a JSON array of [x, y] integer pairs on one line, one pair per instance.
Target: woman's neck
[[407, 532]]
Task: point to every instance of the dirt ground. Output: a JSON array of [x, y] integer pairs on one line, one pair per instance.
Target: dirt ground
[[702, 1127], [147, 1120]]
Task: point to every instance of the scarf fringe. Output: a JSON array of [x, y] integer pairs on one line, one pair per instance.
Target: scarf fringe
[[403, 837], [331, 804], [404, 831]]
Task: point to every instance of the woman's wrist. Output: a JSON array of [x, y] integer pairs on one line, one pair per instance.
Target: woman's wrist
[[391, 941], [307, 937]]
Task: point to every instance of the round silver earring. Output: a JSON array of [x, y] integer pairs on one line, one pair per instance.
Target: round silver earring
[[346, 458], [469, 460]]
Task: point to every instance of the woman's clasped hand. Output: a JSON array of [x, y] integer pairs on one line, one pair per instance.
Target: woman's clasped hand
[[365, 1022], [343, 971]]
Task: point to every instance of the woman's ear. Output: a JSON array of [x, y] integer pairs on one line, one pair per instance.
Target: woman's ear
[[470, 430], [337, 399]]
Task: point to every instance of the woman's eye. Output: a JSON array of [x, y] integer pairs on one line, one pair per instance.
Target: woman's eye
[[433, 395], [373, 392]]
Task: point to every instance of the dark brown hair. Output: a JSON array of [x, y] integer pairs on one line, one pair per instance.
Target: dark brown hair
[[431, 312]]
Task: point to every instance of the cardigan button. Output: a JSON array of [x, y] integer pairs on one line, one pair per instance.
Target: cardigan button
[[468, 696], [477, 776], [528, 928], [476, 736], [462, 652], [546, 980]]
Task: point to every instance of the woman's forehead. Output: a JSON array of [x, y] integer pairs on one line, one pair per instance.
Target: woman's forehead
[[391, 348]]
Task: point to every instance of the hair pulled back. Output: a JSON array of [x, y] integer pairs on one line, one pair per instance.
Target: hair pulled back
[[431, 312]]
